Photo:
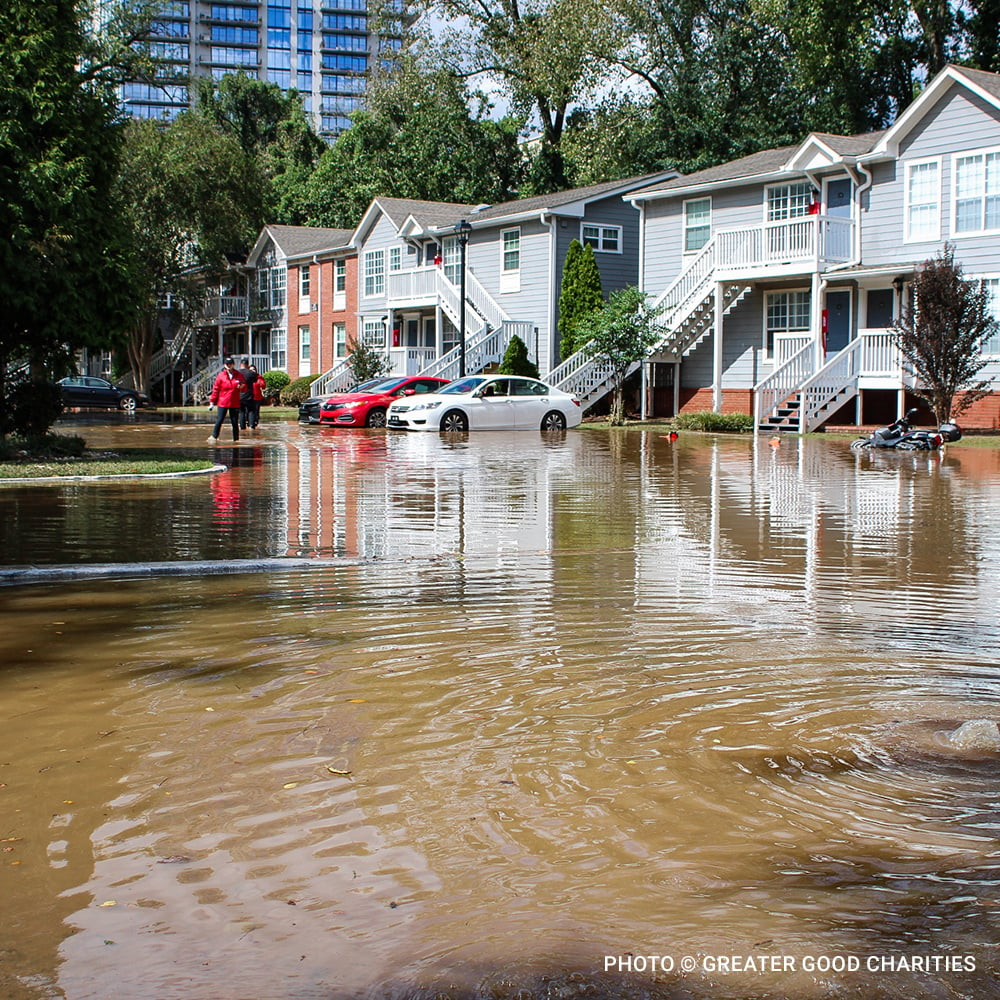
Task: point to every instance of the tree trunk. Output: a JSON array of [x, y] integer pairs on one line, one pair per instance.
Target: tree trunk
[[618, 406], [140, 351]]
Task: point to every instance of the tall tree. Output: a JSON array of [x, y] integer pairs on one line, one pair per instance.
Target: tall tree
[[60, 256], [271, 127], [580, 295], [191, 197], [941, 335], [545, 54], [417, 138]]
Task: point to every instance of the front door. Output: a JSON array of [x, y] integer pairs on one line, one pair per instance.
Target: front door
[[838, 321], [838, 198]]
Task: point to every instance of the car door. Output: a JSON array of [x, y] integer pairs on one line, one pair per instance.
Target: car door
[[491, 409], [102, 393], [529, 403]]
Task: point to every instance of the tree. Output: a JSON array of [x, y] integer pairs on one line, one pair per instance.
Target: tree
[[546, 54], [271, 127], [516, 361], [191, 198], [417, 138], [941, 334], [366, 363], [61, 259], [620, 335], [580, 295]]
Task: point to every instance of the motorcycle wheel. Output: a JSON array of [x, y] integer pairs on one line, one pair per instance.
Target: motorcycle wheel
[[861, 444]]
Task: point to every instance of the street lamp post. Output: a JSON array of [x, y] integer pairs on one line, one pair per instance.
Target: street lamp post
[[462, 230]]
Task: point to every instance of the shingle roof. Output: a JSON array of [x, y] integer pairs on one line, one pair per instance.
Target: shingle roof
[[990, 82], [427, 213], [764, 162], [850, 145], [297, 240], [549, 201]]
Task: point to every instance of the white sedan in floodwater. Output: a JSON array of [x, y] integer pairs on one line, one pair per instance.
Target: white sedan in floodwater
[[488, 403]]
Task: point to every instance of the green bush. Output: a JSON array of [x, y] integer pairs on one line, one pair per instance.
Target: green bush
[[298, 391], [30, 406], [274, 381], [706, 420], [516, 360], [42, 446]]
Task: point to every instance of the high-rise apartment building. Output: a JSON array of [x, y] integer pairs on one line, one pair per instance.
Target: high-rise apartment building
[[324, 49]]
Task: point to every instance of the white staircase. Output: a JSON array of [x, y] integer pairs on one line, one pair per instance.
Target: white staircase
[[688, 308], [485, 348]]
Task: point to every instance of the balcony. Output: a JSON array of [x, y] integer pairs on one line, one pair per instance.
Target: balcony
[[809, 243], [224, 309]]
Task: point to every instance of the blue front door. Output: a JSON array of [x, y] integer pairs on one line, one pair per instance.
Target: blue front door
[[838, 321]]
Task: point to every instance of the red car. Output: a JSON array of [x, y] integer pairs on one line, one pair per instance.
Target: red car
[[367, 408]]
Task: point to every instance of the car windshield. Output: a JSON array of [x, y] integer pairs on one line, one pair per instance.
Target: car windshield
[[380, 385], [463, 385]]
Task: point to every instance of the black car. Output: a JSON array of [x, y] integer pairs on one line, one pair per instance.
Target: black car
[[88, 390]]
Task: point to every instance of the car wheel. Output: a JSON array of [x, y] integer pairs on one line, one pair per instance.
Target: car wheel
[[454, 420], [127, 403], [553, 421], [376, 418]]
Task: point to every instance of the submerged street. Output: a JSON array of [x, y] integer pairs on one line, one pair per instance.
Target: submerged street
[[545, 705]]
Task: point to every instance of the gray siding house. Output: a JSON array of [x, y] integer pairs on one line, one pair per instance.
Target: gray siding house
[[780, 272], [410, 273]]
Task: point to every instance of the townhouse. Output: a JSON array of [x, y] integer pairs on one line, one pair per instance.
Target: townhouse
[[780, 272]]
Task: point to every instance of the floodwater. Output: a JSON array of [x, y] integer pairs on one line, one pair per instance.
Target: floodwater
[[592, 714]]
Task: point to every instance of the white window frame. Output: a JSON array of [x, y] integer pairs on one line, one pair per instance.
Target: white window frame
[[451, 258], [374, 278], [510, 251], [395, 259], [909, 166], [770, 331], [305, 282], [504, 251], [340, 340], [373, 333], [305, 350], [606, 239], [983, 194], [793, 209], [279, 348], [279, 278], [688, 228], [992, 346], [340, 275]]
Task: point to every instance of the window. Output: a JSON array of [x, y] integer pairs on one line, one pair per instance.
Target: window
[[452, 259], [511, 249], [339, 275], [992, 285], [373, 333], [697, 223], [305, 343], [788, 201], [304, 282], [977, 192], [395, 258], [923, 201], [340, 340], [786, 312], [374, 272], [278, 278], [279, 349], [606, 239]]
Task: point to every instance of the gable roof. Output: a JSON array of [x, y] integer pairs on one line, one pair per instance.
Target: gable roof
[[299, 241], [981, 83]]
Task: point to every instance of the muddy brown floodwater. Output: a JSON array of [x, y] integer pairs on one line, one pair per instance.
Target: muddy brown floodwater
[[597, 714]]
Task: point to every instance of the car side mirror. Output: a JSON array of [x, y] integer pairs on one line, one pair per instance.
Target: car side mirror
[[409, 392]]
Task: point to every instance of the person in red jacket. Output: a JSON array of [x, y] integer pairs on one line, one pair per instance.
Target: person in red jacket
[[225, 396], [258, 387]]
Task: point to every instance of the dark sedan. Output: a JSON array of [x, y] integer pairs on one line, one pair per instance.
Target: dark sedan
[[88, 390]]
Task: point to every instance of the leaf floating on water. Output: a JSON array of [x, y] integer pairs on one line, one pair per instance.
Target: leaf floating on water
[[174, 859], [340, 773], [356, 701], [290, 784], [109, 902]]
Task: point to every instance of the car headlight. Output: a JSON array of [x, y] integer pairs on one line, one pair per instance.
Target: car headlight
[[427, 406]]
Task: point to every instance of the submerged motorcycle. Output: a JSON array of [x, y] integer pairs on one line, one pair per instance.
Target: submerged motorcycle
[[901, 436]]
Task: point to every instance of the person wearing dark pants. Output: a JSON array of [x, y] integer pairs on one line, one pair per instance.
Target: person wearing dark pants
[[225, 396], [249, 376]]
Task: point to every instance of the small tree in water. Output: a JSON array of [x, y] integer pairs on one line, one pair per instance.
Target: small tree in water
[[941, 335], [366, 363], [516, 360], [619, 335]]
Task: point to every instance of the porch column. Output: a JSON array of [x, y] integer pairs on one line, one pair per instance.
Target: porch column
[[677, 388], [717, 348], [816, 309]]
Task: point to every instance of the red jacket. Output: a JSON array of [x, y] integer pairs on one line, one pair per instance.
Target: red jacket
[[258, 389], [227, 389]]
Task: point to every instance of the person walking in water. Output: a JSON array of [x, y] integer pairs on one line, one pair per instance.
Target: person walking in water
[[258, 387], [249, 376], [225, 396]]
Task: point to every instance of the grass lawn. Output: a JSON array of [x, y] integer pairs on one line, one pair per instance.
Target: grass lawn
[[117, 463]]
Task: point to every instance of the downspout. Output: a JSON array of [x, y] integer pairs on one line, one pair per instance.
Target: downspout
[[319, 316], [646, 363], [547, 219]]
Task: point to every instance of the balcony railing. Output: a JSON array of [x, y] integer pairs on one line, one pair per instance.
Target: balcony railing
[[819, 239]]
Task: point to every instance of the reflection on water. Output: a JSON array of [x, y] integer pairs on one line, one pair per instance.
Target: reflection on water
[[588, 696]]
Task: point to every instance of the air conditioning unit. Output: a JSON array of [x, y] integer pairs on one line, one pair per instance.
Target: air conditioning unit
[[315, 307]]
